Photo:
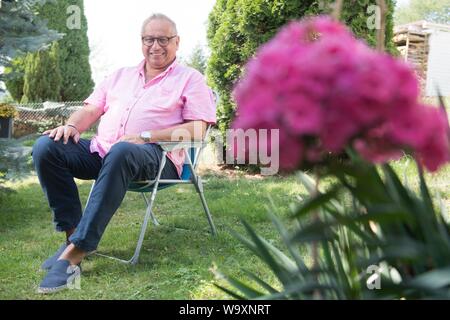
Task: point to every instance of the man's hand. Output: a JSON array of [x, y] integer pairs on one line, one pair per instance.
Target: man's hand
[[65, 132], [132, 139]]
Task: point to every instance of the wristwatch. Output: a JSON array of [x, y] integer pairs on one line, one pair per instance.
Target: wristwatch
[[146, 136]]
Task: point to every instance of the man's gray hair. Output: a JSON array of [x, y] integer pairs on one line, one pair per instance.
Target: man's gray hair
[[159, 16]]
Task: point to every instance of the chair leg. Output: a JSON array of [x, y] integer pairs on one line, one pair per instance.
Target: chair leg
[[134, 259], [148, 214], [199, 187], [89, 196], [98, 253], [152, 216]]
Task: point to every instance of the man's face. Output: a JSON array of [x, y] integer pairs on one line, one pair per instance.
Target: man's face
[[157, 56]]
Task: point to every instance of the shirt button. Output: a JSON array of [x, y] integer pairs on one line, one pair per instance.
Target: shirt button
[[121, 125]]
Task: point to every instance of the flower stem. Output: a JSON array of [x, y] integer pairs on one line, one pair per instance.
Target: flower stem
[[381, 31], [337, 9], [315, 245]]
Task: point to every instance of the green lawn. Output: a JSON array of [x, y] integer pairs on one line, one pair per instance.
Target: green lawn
[[177, 257]]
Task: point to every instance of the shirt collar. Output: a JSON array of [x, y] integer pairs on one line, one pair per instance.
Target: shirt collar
[[141, 68]]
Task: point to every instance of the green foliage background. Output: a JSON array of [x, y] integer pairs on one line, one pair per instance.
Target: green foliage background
[[197, 59], [42, 80], [21, 31], [71, 69], [238, 27], [437, 11]]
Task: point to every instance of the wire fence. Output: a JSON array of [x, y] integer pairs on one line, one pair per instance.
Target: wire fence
[[38, 117]]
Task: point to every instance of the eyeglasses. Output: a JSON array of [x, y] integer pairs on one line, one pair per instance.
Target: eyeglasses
[[162, 41]]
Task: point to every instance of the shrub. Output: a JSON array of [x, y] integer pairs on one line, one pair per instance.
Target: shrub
[[7, 111], [237, 28]]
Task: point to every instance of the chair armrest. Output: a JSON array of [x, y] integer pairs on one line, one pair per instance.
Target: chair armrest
[[170, 146]]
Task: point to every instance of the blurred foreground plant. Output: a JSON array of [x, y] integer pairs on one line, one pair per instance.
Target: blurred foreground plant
[[389, 243], [329, 94]]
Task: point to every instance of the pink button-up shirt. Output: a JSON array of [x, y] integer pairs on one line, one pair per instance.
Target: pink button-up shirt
[[131, 106]]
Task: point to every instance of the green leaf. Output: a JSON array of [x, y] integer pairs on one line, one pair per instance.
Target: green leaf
[[316, 201], [384, 214], [261, 282], [246, 289], [263, 250], [444, 110], [231, 293], [342, 276], [368, 186], [316, 231], [425, 193], [330, 264], [298, 288], [283, 259], [293, 250], [443, 228], [350, 223], [395, 188], [432, 280], [308, 182]]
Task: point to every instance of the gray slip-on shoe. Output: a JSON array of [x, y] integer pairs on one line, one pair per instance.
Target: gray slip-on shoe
[[47, 265], [61, 276]]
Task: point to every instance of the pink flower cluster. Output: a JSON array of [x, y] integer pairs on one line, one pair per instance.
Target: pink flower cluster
[[325, 91]]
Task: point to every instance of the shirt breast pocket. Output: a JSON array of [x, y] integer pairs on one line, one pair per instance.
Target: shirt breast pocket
[[164, 100]]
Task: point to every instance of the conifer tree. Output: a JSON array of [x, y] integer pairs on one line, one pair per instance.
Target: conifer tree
[[42, 79], [74, 71], [67, 16]]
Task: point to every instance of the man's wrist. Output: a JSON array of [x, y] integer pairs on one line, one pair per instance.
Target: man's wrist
[[71, 125], [146, 136]]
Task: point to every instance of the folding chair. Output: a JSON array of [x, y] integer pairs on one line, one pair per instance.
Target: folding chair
[[189, 175]]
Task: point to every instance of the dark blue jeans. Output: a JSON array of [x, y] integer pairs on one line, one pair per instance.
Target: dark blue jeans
[[58, 164]]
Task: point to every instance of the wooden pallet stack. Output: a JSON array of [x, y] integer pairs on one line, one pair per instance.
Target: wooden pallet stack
[[413, 46]]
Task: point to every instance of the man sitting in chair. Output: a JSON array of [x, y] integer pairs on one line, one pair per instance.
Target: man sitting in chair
[[154, 101]]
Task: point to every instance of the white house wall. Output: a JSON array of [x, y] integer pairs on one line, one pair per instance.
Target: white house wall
[[438, 63]]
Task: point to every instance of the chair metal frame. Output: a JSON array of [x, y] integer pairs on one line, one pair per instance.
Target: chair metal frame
[[153, 186], [192, 152]]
